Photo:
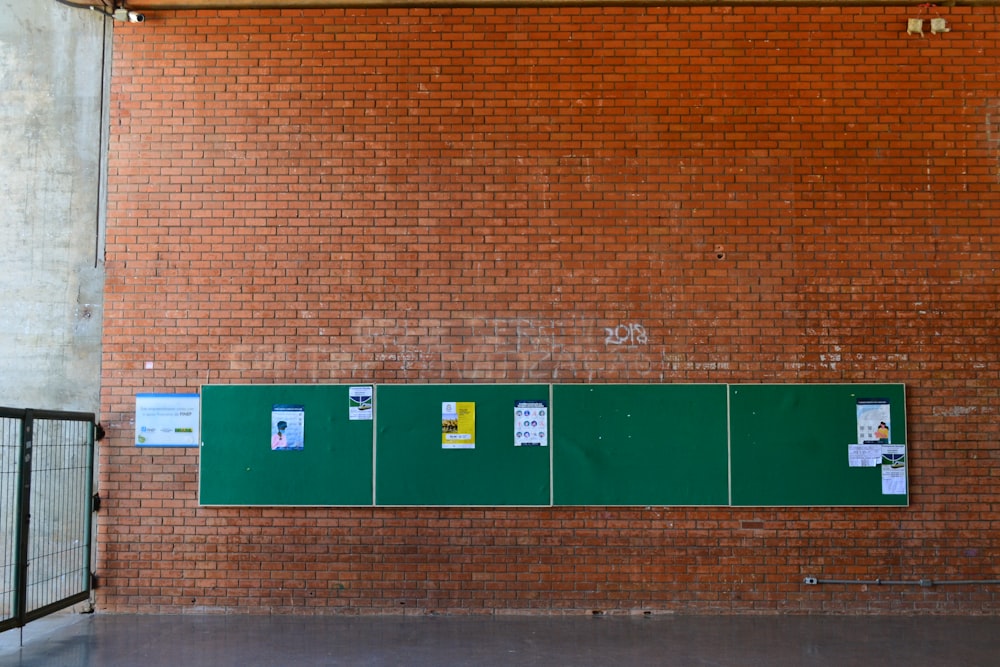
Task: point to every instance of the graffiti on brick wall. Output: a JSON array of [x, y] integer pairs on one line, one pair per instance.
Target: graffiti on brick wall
[[405, 358], [547, 336], [626, 334], [515, 348], [993, 130]]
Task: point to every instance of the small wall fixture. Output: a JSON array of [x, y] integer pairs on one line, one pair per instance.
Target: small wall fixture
[[938, 26], [938, 23], [125, 15]]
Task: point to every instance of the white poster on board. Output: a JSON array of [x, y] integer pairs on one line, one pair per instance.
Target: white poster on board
[[288, 427], [360, 403], [531, 424], [894, 470], [874, 421]]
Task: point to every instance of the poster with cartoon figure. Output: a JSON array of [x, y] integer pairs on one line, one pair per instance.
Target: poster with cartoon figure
[[288, 423], [873, 421]]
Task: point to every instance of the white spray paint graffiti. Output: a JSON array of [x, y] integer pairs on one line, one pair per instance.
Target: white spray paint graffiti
[[529, 349], [626, 334], [992, 118]]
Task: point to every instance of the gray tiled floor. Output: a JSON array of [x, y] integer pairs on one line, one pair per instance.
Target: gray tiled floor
[[718, 641]]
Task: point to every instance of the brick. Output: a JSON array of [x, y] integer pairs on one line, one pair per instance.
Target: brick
[[446, 195]]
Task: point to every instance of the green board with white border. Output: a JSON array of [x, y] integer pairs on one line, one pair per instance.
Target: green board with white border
[[327, 461], [737, 445], [790, 444]]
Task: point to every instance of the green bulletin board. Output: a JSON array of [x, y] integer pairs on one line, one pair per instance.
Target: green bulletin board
[[635, 445], [789, 444], [238, 466], [640, 445], [414, 468]]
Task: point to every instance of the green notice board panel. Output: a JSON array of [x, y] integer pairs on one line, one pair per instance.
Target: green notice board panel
[[324, 459], [627, 445], [790, 444], [416, 467], [640, 445]]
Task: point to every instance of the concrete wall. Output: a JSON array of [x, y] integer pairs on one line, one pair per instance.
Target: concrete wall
[[52, 73]]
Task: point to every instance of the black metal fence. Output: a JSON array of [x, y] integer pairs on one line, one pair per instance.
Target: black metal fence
[[46, 507]]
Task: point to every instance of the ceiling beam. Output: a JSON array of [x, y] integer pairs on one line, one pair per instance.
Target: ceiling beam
[[154, 5]]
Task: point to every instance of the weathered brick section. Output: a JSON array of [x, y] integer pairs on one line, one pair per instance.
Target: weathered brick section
[[567, 195]]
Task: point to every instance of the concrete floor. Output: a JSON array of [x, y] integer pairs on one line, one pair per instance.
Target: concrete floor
[[719, 641]]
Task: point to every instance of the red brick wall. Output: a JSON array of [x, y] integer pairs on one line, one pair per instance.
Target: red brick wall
[[780, 195]]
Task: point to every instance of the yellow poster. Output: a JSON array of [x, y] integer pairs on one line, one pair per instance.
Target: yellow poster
[[458, 425]]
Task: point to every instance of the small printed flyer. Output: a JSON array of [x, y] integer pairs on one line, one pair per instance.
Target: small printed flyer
[[288, 425], [360, 399], [894, 470], [531, 424], [864, 456], [873, 421], [458, 425]]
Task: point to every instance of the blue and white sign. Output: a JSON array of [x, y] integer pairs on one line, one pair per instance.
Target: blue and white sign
[[167, 420]]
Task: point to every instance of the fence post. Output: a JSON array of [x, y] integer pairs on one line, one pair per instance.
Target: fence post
[[23, 520]]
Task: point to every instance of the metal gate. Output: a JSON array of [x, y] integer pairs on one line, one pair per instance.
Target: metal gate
[[46, 502]]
